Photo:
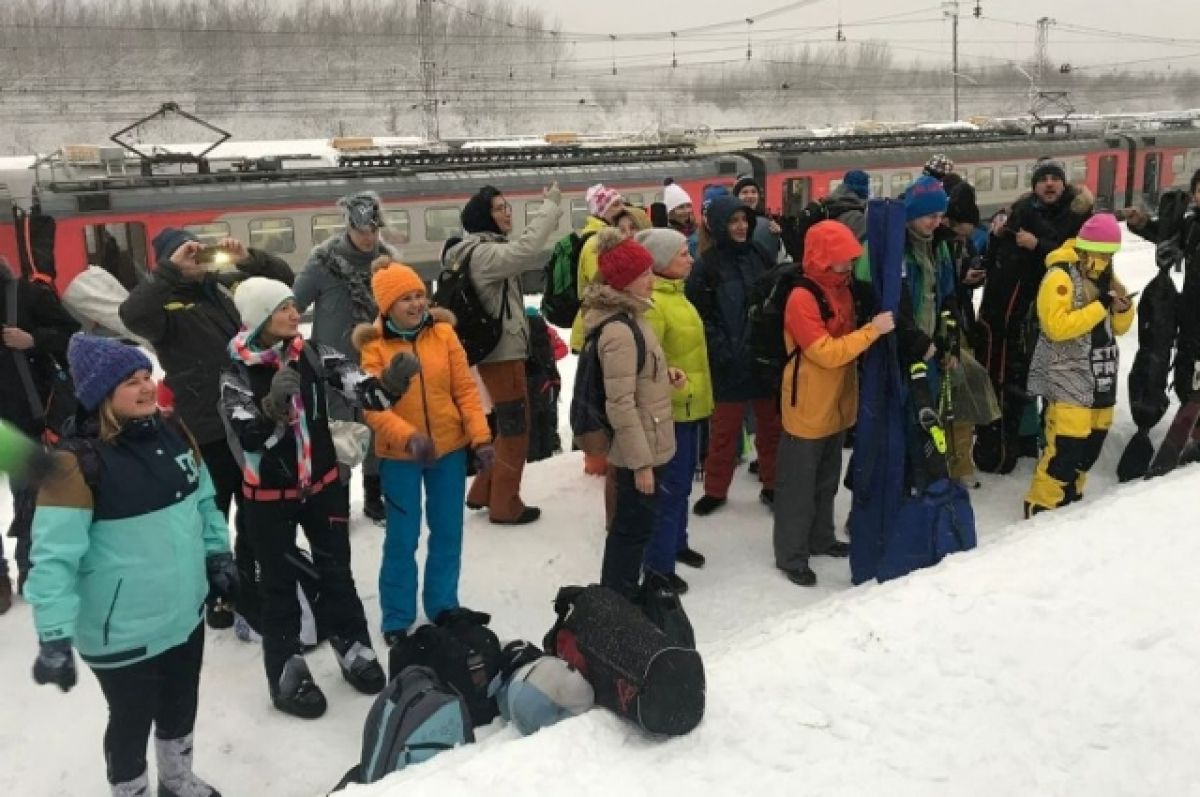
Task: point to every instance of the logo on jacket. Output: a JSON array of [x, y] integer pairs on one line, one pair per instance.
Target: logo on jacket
[[187, 463]]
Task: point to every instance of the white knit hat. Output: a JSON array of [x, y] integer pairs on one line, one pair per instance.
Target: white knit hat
[[674, 196], [257, 298]]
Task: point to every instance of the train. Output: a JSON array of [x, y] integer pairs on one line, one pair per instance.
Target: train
[[84, 206]]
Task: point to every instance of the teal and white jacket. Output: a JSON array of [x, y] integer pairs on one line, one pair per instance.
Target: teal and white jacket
[[120, 538]]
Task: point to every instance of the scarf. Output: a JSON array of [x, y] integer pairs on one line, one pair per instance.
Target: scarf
[[407, 334], [278, 356], [356, 275]]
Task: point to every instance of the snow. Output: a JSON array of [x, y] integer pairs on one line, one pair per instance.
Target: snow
[[1058, 658]]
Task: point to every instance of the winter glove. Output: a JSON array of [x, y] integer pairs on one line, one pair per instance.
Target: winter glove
[[1104, 281], [485, 457], [55, 664], [420, 448], [277, 404], [399, 371], [222, 576]]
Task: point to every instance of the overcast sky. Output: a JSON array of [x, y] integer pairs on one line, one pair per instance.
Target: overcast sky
[[1159, 34]]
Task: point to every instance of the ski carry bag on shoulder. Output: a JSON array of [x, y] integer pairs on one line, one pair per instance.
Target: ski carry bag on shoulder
[[413, 719], [633, 667]]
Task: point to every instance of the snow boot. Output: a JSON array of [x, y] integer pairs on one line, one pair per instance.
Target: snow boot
[[676, 584], [839, 550], [6, 593], [175, 777], [218, 616], [707, 505], [138, 787], [690, 558], [767, 496], [359, 665], [373, 508], [296, 693], [802, 576], [528, 515]]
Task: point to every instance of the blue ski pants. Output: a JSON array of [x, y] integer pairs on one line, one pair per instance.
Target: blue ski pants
[[670, 528], [445, 491]]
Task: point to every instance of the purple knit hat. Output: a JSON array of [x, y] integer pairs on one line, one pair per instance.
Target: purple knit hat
[[99, 364]]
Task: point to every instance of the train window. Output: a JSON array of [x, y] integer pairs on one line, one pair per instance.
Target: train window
[[441, 224], [579, 213], [1079, 172], [876, 185], [834, 185], [797, 192], [984, 179], [395, 227], [273, 235], [633, 199], [209, 234], [326, 225], [900, 181], [1177, 168], [119, 249], [1152, 167], [1009, 177], [658, 197]]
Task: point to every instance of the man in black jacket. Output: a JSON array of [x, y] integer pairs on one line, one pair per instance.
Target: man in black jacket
[[1015, 263], [35, 330], [187, 313]]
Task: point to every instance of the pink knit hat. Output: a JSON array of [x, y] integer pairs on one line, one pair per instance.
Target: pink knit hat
[[1100, 233], [600, 198]]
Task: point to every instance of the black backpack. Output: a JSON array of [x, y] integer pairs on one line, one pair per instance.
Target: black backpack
[[794, 228], [478, 330], [589, 416], [768, 303], [464, 653], [560, 292]]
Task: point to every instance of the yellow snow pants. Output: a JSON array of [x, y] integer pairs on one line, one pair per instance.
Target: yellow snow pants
[[1074, 437]]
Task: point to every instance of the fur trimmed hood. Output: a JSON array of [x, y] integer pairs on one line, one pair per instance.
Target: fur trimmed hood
[[367, 333], [600, 301]]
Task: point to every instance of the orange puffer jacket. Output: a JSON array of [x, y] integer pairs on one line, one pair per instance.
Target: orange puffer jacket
[[441, 402]]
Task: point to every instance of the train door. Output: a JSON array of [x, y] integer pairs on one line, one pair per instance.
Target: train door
[[1106, 183], [119, 249], [1151, 170], [797, 192]]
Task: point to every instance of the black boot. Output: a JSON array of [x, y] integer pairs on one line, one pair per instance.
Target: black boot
[[707, 505], [839, 550], [359, 665], [802, 576], [296, 693], [767, 496], [218, 615], [373, 508], [690, 558]]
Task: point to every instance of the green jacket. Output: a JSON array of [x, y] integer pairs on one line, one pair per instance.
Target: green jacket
[[121, 571], [589, 267], [681, 333]]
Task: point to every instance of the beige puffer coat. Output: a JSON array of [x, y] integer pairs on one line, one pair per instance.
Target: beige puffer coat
[[638, 403]]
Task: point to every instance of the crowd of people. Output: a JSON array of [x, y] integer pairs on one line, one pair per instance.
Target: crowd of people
[[125, 552]]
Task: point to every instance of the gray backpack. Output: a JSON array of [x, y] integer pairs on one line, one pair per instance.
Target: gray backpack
[[413, 719]]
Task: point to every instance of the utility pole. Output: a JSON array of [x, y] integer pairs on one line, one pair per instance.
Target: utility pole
[[1041, 50], [429, 101], [950, 9]]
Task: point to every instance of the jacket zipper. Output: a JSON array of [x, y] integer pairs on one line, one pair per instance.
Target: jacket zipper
[[424, 395], [111, 607]]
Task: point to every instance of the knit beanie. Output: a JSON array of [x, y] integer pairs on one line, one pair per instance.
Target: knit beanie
[[363, 211], [711, 193], [167, 241], [663, 244], [859, 182], [99, 365], [924, 196], [600, 198], [962, 207], [621, 260], [674, 196], [744, 181], [476, 215], [391, 280], [257, 298], [1100, 233], [938, 166], [1047, 167]]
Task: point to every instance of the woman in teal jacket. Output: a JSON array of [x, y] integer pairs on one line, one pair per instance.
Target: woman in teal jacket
[[127, 543], [680, 331]]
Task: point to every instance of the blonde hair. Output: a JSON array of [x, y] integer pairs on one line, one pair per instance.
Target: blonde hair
[[110, 424]]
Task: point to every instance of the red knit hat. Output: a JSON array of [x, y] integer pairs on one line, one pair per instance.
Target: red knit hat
[[624, 263]]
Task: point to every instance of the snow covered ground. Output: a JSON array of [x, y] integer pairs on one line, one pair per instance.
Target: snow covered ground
[[1057, 659]]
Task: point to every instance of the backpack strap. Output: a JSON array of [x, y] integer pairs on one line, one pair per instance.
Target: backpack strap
[[826, 311], [36, 408], [638, 340]]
